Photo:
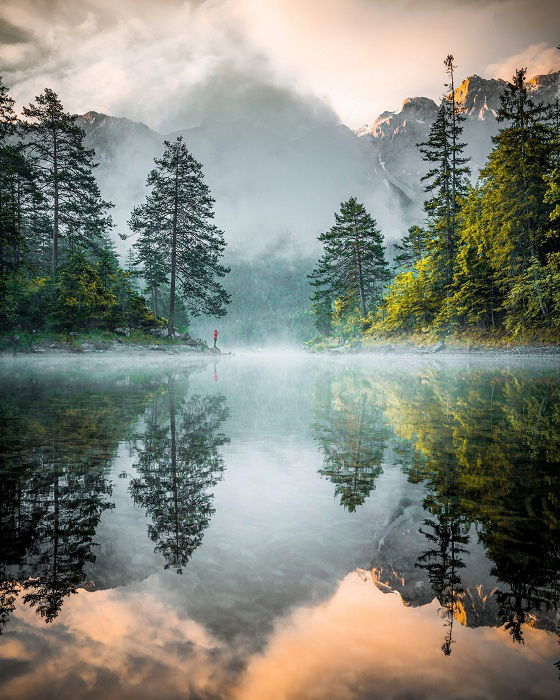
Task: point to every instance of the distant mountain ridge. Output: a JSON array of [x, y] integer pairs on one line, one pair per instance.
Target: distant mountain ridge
[[393, 135], [273, 188]]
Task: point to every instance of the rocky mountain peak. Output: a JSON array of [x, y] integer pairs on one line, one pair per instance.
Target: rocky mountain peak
[[92, 117], [419, 107], [546, 87], [479, 97]]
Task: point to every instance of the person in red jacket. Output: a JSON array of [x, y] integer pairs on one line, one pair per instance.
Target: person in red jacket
[[215, 337]]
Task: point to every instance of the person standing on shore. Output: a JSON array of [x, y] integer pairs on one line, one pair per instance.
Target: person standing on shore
[[215, 337]]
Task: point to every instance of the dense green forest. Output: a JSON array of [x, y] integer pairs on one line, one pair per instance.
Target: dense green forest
[[487, 258], [59, 270]]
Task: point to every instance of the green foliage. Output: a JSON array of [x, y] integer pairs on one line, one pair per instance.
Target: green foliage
[[411, 301], [64, 174], [446, 182], [82, 294], [412, 247], [178, 242], [352, 269], [493, 250], [352, 435]]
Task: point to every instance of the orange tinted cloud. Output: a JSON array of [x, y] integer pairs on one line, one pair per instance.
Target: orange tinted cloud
[[365, 643], [359, 643]]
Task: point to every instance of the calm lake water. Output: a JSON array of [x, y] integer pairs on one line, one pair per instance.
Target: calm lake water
[[279, 526]]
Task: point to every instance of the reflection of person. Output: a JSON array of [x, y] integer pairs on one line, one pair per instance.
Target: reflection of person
[[215, 337], [215, 373]]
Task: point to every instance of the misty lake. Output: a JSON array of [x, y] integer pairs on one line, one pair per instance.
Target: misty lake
[[279, 526]]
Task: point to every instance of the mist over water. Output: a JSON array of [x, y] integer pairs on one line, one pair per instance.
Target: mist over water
[[185, 528]]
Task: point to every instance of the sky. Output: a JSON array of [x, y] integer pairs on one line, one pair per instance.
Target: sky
[[174, 63]]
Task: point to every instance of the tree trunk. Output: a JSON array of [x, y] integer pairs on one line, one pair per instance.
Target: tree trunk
[[154, 302], [56, 203], [171, 320], [174, 475], [360, 275]]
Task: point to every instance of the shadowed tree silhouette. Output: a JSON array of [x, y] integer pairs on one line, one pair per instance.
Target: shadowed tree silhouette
[[57, 441], [448, 531], [177, 465]]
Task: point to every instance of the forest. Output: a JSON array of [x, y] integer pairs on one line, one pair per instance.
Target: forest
[[486, 260], [59, 270]]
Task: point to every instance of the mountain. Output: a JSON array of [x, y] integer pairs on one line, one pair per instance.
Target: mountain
[[278, 188], [270, 187], [393, 135]]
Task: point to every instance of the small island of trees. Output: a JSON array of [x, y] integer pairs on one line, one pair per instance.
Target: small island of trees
[[59, 270]]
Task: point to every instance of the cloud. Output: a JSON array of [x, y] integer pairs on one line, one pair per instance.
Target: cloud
[[360, 642], [539, 59], [10, 34], [168, 63], [363, 643]]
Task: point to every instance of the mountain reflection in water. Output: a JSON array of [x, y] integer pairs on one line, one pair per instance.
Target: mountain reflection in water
[[187, 537]]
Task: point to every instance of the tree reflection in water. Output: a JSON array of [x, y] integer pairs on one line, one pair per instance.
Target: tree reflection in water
[[486, 447], [177, 465], [352, 434], [58, 441]]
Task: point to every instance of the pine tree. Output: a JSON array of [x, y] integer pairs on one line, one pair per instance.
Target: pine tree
[[352, 434], [148, 256], [411, 248], [177, 218], [20, 200], [8, 118], [446, 181], [353, 264], [514, 187], [177, 467], [476, 300], [65, 174]]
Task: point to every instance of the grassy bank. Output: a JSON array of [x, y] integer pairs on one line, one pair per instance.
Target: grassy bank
[[430, 342], [85, 341]]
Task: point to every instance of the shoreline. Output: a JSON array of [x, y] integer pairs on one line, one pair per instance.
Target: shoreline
[[101, 343], [440, 349]]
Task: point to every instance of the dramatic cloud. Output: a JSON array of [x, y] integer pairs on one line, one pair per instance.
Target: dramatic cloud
[[538, 59], [357, 642], [172, 63]]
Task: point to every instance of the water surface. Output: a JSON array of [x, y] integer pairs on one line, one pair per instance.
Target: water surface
[[279, 526]]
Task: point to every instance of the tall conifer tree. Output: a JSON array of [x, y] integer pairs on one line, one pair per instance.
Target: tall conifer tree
[[148, 255], [446, 181], [65, 174], [177, 215], [353, 264], [411, 248], [20, 201], [514, 188]]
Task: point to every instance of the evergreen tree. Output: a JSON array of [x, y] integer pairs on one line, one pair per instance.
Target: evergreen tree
[[352, 434], [475, 301], [176, 226], [65, 175], [514, 188], [177, 466], [148, 256], [448, 533], [446, 181], [322, 310], [411, 248], [353, 265], [19, 197]]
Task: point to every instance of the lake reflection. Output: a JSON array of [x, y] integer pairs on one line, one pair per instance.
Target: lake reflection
[[290, 527]]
